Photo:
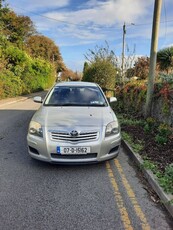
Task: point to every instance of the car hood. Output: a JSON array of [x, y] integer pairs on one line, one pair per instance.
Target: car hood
[[73, 117]]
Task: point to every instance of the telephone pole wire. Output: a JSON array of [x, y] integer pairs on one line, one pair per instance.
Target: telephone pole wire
[[153, 56]]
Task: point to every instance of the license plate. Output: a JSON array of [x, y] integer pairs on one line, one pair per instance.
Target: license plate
[[73, 150]]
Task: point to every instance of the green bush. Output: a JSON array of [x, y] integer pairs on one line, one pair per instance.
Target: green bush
[[136, 145], [164, 130], [14, 55], [38, 75], [161, 140], [11, 85], [150, 125], [131, 97], [102, 72], [21, 74], [166, 180], [163, 134]]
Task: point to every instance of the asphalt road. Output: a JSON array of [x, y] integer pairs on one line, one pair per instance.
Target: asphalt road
[[40, 196]]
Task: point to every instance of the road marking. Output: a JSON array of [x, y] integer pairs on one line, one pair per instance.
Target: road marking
[[124, 214], [131, 194]]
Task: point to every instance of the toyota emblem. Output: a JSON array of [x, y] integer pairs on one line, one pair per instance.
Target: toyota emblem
[[74, 133]]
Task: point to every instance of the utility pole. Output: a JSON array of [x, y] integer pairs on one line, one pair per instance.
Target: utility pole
[[123, 53], [153, 56]]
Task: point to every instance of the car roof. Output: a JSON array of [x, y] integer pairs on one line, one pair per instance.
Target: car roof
[[76, 83]]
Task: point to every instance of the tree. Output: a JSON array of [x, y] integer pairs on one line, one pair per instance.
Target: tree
[[101, 53], [3, 9], [85, 66], [101, 67], [43, 47], [16, 28], [130, 73], [141, 67], [68, 74], [101, 72], [3, 6], [165, 59]]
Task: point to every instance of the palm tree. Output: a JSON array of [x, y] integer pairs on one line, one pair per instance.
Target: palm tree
[[165, 59]]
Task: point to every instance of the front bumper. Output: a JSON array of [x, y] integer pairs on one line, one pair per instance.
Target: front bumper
[[44, 149]]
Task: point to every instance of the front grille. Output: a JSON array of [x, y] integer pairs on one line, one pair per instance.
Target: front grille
[[82, 136], [72, 157]]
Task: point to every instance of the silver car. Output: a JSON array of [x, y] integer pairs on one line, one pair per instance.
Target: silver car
[[74, 124]]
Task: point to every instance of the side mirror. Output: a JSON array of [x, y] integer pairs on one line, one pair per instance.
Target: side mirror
[[38, 99], [112, 99]]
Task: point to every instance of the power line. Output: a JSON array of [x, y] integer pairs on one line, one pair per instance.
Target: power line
[[84, 25], [62, 21], [149, 23], [165, 14]]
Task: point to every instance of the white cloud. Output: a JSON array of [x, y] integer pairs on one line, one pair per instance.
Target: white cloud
[[166, 31], [169, 45], [82, 34], [93, 19], [78, 43], [107, 13], [76, 23], [34, 5]]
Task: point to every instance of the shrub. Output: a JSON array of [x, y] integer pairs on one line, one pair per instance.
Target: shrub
[[11, 85], [163, 134], [21, 74], [150, 125], [166, 180]]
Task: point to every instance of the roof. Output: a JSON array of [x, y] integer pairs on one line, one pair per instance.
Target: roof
[[75, 83]]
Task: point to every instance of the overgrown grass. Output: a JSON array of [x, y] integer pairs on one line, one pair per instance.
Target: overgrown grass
[[125, 120], [165, 179], [161, 133], [137, 146]]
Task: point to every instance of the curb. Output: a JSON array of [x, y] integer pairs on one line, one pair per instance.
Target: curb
[[166, 199], [12, 100], [9, 101]]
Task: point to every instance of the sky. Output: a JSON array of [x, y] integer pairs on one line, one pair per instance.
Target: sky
[[79, 25]]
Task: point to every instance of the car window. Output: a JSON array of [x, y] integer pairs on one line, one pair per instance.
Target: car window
[[75, 96]]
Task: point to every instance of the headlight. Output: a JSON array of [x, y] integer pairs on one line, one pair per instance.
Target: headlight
[[35, 129], [112, 128]]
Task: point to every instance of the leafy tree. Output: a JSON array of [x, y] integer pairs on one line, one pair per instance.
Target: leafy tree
[[101, 72], [3, 6], [101, 53], [130, 73], [101, 67], [85, 67], [68, 74], [45, 48], [141, 67], [19, 73], [16, 28], [3, 10], [165, 59]]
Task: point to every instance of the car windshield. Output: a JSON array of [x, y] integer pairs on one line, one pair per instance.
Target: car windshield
[[75, 96]]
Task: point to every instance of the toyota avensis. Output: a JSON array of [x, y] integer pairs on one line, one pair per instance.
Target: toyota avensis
[[74, 124]]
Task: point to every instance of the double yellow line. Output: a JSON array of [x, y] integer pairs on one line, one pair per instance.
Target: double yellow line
[[119, 200]]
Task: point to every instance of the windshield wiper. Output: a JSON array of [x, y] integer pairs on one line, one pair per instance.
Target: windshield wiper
[[76, 104], [97, 105], [71, 104]]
